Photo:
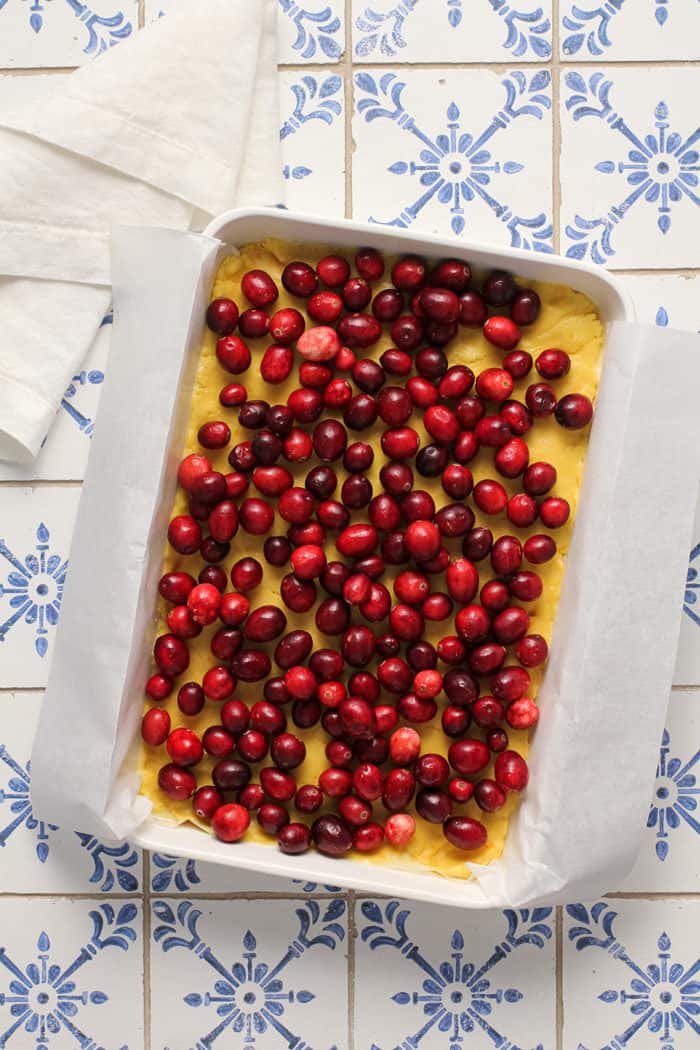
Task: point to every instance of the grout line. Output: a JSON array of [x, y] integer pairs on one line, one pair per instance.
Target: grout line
[[660, 895], [496, 67], [679, 271], [36, 71], [559, 978], [352, 937], [556, 129], [243, 895], [349, 107], [146, 876], [30, 483], [142, 14]]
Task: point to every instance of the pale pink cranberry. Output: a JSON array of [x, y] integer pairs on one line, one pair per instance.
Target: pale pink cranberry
[[400, 829]]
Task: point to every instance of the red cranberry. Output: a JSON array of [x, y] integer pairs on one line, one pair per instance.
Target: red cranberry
[[396, 362], [255, 516], [422, 392], [502, 333], [272, 818], [433, 806], [440, 304], [512, 458], [253, 324], [171, 655], [358, 330], [325, 307], [518, 363], [226, 642], [326, 664], [246, 574], [277, 550], [494, 384], [333, 270], [287, 751], [155, 726], [251, 665], [510, 625], [406, 332], [521, 510], [305, 713], [206, 801], [554, 512], [232, 395], [332, 724], [525, 306], [222, 316], [432, 770], [457, 481], [276, 364], [308, 561], [574, 411], [223, 522], [495, 596], [422, 540], [394, 674], [230, 822], [532, 650], [488, 712], [511, 771], [387, 305], [522, 713], [460, 790], [286, 325], [294, 838], [510, 684], [442, 424], [236, 485], [499, 288], [334, 577], [506, 555], [178, 784], [356, 492], [360, 412], [540, 399], [539, 478], [406, 623], [430, 362], [414, 709], [497, 739], [490, 496], [368, 838], [203, 602], [469, 756], [332, 836], [492, 432], [335, 782], [277, 785], [296, 505], [300, 279], [539, 549], [215, 434], [369, 264], [472, 309], [308, 798], [158, 687], [218, 683], [472, 624], [456, 382], [357, 541], [259, 288], [553, 364], [356, 293], [358, 646], [465, 833], [525, 586], [184, 748], [487, 658], [422, 656], [408, 274], [399, 786], [477, 544], [367, 781], [489, 796], [233, 354], [451, 650], [184, 534], [332, 616], [175, 586], [218, 742], [452, 274], [454, 520], [181, 623]]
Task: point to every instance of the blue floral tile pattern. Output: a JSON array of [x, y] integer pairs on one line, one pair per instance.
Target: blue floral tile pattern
[[646, 979], [311, 31], [69, 975], [173, 875], [62, 32], [451, 31], [448, 173], [39, 857], [675, 796], [629, 29], [455, 979], [33, 588], [640, 185], [312, 133], [250, 975]]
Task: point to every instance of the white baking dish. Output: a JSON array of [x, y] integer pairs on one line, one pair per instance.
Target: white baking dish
[[242, 226]]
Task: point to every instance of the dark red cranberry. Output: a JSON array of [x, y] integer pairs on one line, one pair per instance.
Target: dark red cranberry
[[539, 549], [259, 288], [369, 264], [451, 273], [356, 293], [305, 713], [455, 721], [465, 833], [232, 395], [222, 316], [495, 596], [333, 577], [540, 399], [518, 363], [300, 279], [326, 664], [488, 712], [230, 774], [487, 658], [406, 332], [398, 789], [333, 270], [387, 305], [477, 543], [574, 411], [332, 836], [433, 806], [431, 460], [472, 309], [358, 330], [190, 698], [251, 665], [554, 512], [360, 412], [409, 273], [525, 306], [510, 684], [308, 798], [253, 323], [272, 817], [553, 364], [178, 784], [490, 496], [430, 362], [499, 288], [332, 616]]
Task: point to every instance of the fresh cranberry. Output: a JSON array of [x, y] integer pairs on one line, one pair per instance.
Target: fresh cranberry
[[506, 555], [255, 516], [360, 412], [203, 601], [431, 770], [431, 363], [233, 354], [539, 549], [539, 478], [554, 512], [526, 586], [178, 784], [511, 460], [460, 790], [440, 304], [433, 806], [184, 748], [574, 411], [472, 309], [367, 781], [306, 713], [206, 801], [218, 683], [510, 625], [236, 485], [502, 333], [540, 399], [532, 650], [300, 279], [490, 496], [318, 344], [472, 624], [465, 833], [399, 786], [521, 510], [396, 362], [400, 829], [294, 838], [278, 786], [477, 544], [488, 712], [181, 623], [215, 434], [368, 837], [276, 364], [222, 316], [451, 650], [155, 726], [308, 561], [308, 798], [510, 683], [522, 713], [511, 772], [487, 658], [497, 739], [232, 395], [489, 796], [422, 656], [335, 782], [469, 756], [369, 264], [218, 742], [325, 307], [494, 384], [246, 574], [175, 586], [359, 330], [332, 836], [406, 332], [184, 534], [259, 288], [326, 664], [158, 687], [226, 642], [333, 270], [171, 655], [518, 363], [495, 596], [525, 306], [251, 665], [230, 822], [451, 273], [286, 325], [553, 364], [253, 324]]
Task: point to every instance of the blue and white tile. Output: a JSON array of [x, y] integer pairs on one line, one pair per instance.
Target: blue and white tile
[[669, 857], [263, 975], [439, 978], [629, 30], [48, 33], [64, 454], [36, 525], [71, 974], [426, 157], [312, 132], [310, 30], [630, 975], [174, 875], [451, 31], [38, 857], [629, 167]]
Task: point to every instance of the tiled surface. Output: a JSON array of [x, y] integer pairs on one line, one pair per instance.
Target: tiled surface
[[453, 111]]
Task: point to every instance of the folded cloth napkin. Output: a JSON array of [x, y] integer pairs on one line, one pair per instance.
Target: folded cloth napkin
[[172, 126]]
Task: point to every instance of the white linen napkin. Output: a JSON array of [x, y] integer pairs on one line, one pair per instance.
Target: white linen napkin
[[178, 123]]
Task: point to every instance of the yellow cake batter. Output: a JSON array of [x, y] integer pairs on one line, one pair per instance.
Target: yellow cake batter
[[569, 321]]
